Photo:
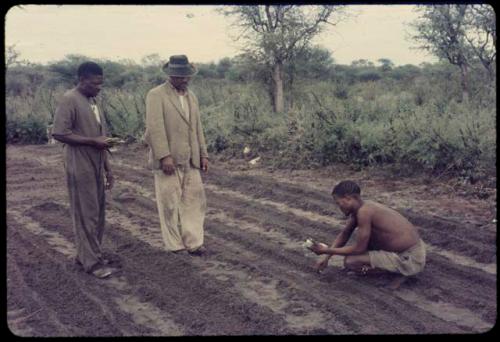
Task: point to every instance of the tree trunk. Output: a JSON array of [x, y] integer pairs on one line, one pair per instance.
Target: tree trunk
[[491, 73], [278, 98], [465, 83], [290, 91]]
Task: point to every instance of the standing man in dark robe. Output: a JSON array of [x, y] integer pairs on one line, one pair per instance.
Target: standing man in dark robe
[[80, 125]]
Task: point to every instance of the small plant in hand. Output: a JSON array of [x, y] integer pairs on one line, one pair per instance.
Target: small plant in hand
[[115, 141], [309, 243]]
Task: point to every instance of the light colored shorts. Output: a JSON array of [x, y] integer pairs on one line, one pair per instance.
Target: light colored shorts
[[409, 262]]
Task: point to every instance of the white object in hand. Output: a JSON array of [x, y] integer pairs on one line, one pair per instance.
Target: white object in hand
[[254, 161], [308, 243], [115, 141]]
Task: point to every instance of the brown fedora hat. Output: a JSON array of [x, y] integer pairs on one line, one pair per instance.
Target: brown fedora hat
[[179, 66]]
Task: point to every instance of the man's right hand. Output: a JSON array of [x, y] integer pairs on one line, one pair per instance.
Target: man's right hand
[[167, 165], [100, 143], [322, 263]]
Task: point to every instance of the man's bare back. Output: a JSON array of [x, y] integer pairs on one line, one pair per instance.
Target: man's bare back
[[390, 231]]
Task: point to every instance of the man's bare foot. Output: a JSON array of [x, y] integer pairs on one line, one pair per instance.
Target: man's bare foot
[[367, 270], [396, 283]]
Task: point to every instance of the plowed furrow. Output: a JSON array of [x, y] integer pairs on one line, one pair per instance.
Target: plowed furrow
[[254, 242], [176, 285]]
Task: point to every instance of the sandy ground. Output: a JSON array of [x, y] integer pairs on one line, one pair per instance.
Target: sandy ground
[[255, 279]]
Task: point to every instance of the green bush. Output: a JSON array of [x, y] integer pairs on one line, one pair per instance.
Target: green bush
[[27, 131], [410, 117]]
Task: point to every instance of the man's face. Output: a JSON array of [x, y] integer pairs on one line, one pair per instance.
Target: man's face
[[345, 204], [180, 83], [91, 85]]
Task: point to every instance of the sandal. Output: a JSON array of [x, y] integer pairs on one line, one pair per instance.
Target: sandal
[[103, 272], [103, 261], [177, 251], [198, 251]]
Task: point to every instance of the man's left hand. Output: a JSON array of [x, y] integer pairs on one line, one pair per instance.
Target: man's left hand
[[109, 181], [204, 164], [319, 248]]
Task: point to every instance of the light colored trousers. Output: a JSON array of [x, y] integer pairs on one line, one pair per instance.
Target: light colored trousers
[[181, 203]]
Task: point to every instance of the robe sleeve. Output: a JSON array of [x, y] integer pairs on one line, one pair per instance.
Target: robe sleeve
[[64, 117]]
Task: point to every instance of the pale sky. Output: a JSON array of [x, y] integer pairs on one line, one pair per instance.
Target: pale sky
[[47, 33]]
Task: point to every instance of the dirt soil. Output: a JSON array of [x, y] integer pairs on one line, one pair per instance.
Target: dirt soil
[[255, 279]]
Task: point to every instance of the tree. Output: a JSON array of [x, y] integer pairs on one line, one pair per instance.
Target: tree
[[315, 62], [249, 69], [441, 30], [207, 70], [11, 56], [153, 59], [362, 63], [223, 66], [66, 69], [275, 34], [369, 75], [406, 72], [481, 35], [386, 64]]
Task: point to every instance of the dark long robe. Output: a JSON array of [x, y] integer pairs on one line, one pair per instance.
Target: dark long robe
[[84, 167]]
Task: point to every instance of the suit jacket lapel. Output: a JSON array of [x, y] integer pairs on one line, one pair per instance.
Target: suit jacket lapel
[[174, 98]]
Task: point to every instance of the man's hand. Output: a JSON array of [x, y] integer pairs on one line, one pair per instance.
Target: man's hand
[[100, 143], [204, 164], [319, 248], [322, 263], [110, 181], [167, 165]]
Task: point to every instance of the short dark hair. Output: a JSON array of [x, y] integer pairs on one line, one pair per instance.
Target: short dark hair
[[89, 68], [345, 188]]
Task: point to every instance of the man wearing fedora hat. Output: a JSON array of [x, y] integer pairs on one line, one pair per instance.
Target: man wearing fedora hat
[[177, 152]]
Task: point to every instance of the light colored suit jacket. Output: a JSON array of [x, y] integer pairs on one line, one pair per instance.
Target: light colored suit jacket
[[169, 132]]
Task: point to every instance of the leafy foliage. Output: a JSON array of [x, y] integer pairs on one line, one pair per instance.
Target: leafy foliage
[[408, 116]]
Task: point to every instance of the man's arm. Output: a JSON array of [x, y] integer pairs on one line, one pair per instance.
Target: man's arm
[[201, 140], [75, 139], [344, 235], [363, 237], [339, 241], [109, 174], [62, 131], [155, 125], [107, 165]]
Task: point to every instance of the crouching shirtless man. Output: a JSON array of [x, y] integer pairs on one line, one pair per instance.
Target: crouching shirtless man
[[386, 241]]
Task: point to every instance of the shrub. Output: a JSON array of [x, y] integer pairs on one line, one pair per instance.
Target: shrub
[[410, 117], [26, 131]]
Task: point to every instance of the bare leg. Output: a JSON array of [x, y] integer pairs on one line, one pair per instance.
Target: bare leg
[[361, 264], [397, 282], [358, 263]]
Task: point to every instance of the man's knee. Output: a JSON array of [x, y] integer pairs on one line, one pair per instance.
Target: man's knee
[[354, 262], [350, 262]]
